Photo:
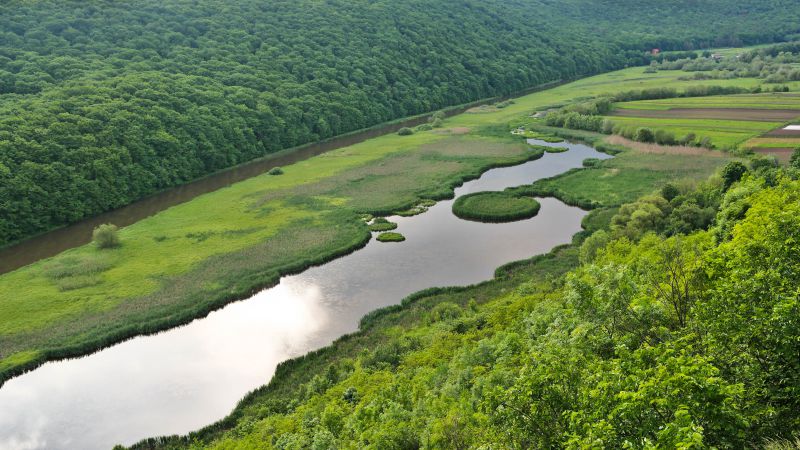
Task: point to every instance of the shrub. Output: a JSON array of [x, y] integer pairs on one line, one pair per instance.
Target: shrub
[[669, 191], [424, 127], [706, 143], [275, 171], [644, 134], [405, 131], [437, 123], [794, 161], [733, 172], [688, 139], [106, 236], [664, 137]]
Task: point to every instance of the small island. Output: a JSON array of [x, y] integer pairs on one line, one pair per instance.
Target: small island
[[391, 237], [495, 207]]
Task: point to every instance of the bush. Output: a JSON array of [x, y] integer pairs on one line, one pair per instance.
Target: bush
[[664, 137], [794, 161], [275, 171], [106, 236], [437, 123], [644, 134], [688, 139], [424, 127], [405, 131], [381, 224], [733, 172]]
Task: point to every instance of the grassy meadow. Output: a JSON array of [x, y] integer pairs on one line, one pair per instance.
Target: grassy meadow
[[183, 262]]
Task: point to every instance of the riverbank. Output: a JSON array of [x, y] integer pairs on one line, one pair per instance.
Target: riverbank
[[197, 256]]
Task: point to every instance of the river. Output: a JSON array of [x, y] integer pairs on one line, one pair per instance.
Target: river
[[187, 377]]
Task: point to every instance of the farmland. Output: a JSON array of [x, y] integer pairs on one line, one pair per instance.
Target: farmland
[[729, 121]]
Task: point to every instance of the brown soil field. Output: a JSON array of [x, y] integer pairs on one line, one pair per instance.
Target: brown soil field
[[782, 132], [752, 114], [642, 147]]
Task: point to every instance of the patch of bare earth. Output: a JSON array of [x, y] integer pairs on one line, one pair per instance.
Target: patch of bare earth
[[785, 133], [454, 130], [642, 147], [751, 114]]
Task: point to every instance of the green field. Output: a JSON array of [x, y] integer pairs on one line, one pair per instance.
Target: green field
[[197, 256]]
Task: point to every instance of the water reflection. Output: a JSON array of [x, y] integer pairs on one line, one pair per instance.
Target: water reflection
[[182, 379]]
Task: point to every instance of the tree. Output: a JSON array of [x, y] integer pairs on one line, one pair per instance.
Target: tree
[[733, 172], [106, 236], [795, 159]]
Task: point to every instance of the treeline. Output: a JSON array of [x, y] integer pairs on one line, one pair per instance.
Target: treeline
[[676, 327], [104, 103], [588, 115], [774, 64]]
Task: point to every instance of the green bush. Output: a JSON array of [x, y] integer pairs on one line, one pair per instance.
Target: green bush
[[644, 134], [106, 236], [495, 207], [794, 161], [275, 171], [405, 131]]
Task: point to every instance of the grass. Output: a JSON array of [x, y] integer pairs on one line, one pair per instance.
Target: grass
[[381, 224], [629, 175], [197, 256], [495, 207], [390, 237]]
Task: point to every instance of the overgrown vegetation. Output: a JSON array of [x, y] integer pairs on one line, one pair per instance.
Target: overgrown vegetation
[[390, 236], [382, 224], [672, 325], [106, 236], [495, 207]]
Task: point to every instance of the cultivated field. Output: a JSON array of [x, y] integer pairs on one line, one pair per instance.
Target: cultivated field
[[748, 121]]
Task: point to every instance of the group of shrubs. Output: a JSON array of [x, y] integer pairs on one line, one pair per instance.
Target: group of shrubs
[[436, 120]]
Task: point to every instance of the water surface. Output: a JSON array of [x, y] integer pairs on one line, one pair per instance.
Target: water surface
[[182, 379]]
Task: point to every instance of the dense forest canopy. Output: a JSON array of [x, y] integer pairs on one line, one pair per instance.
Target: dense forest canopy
[[104, 102]]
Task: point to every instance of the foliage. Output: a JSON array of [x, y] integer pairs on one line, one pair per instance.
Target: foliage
[[495, 207], [648, 342], [275, 171], [405, 131], [390, 237], [106, 236]]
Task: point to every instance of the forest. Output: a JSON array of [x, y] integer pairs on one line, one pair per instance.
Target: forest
[[105, 103]]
